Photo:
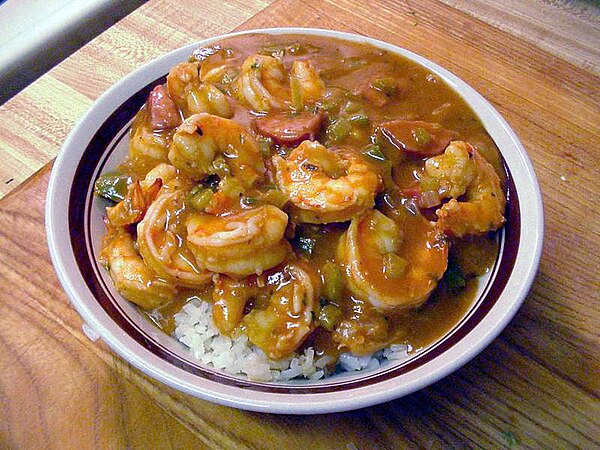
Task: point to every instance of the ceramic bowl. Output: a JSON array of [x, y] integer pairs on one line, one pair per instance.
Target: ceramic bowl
[[74, 229]]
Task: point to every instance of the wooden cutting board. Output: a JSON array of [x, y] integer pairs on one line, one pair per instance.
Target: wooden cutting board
[[536, 386]]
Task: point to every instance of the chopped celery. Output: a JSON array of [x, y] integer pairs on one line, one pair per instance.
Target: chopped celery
[[373, 151], [333, 282], [331, 99], [301, 49], [112, 186], [427, 183], [387, 85], [275, 197], [200, 198], [360, 119], [265, 145], [329, 316], [422, 137], [197, 189], [329, 105], [231, 187], [338, 129], [220, 167], [249, 201], [352, 106], [274, 50], [296, 94]]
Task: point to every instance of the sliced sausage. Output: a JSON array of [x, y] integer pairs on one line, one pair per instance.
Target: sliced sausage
[[374, 96], [381, 90], [162, 110], [288, 129], [418, 137]]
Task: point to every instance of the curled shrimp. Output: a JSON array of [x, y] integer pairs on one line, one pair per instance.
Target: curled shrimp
[[193, 94], [461, 170], [202, 137], [147, 144], [163, 172], [392, 267], [140, 195], [281, 320], [306, 84], [323, 186], [133, 207], [169, 176], [263, 83], [213, 74], [132, 278], [181, 76], [161, 248], [239, 244], [230, 297], [206, 98]]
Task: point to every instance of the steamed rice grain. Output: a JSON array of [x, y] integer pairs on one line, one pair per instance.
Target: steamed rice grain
[[238, 356]]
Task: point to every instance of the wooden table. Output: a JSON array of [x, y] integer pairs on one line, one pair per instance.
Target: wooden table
[[536, 386]]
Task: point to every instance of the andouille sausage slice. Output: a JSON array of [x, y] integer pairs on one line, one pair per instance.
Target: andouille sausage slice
[[289, 129], [162, 109], [418, 137], [380, 91]]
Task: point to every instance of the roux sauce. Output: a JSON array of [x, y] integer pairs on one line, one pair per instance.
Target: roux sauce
[[349, 67]]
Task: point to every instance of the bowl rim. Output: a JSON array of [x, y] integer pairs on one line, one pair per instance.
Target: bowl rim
[[526, 262]]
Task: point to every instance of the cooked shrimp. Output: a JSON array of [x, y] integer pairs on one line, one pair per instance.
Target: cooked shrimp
[[213, 74], [229, 301], [205, 98], [323, 186], [193, 94], [146, 144], [133, 207], [454, 169], [163, 172], [132, 278], [306, 84], [140, 195], [180, 77], [263, 83], [462, 170], [392, 266], [161, 247], [202, 137], [281, 325], [240, 244]]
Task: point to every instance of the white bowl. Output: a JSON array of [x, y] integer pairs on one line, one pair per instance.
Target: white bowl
[[74, 228]]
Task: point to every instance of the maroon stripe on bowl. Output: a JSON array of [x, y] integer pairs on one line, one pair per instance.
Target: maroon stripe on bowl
[[95, 156]]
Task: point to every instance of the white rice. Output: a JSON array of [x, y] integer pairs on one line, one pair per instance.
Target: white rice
[[237, 356]]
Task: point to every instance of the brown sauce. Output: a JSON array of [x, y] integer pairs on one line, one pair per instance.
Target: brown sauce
[[349, 70]]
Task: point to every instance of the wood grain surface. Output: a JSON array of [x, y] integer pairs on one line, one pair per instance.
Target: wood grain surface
[[34, 124], [565, 28], [536, 386]]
